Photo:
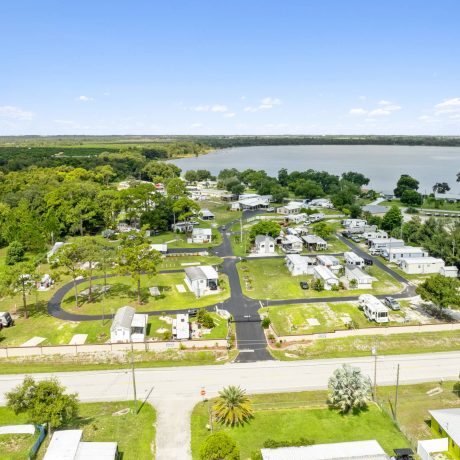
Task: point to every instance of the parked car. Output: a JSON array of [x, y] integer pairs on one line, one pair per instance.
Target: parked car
[[270, 209], [392, 303], [346, 234], [5, 319], [374, 252], [212, 286], [368, 262], [192, 311], [355, 238], [304, 285]]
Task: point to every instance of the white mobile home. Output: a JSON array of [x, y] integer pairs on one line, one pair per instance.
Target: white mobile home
[[373, 308], [315, 243], [450, 272], [351, 258], [363, 280], [315, 217], [206, 214], [384, 243], [291, 244], [128, 326], [291, 208], [421, 265], [161, 248], [264, 244], [181, 327], [403, 252], [201, 235], [299, 265], [330, 262], [323, 273], [201, 280], [353, 223], [321, 203], [379, 234]]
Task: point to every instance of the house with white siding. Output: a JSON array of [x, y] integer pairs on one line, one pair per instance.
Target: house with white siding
[[403, 252], [300, 265], [381, 244], [315, 243], [202, 280], [363, 280], [201, 235], [421, 265], [292, 207], [331, 262], [449, 272], [264, 244], [323, 273], [351, 258]]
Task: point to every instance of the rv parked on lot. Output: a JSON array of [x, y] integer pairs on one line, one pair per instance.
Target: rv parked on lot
[[373, 308]]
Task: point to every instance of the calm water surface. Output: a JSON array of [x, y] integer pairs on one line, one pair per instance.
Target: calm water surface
[[382, 164]]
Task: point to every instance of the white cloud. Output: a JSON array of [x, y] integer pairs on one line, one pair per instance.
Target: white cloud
[[448, 106], [384, 102], [84, 98], [362, 98], [196, 125], [379, 113], [358, 111], [265, 104], [15, 113], [229, 114], [218, 108]]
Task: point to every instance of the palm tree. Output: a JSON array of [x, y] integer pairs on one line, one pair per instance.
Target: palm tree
[[232, 407]]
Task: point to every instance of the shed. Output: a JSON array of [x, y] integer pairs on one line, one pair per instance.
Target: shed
[[206, 214], [450, 272]]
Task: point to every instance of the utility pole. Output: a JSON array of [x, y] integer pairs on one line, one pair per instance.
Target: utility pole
[[374, 352], [396, 394], [134, 377]]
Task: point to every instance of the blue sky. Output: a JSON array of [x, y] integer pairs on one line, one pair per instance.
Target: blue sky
[[229, 67]]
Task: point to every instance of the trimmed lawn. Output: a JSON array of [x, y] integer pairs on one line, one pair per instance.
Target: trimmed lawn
[[180, 262], [219, 331], [55, 331], [254, 274], [293, 319], [221, 210], [396, 344], [299, 415], [14, 447], [123, 292]]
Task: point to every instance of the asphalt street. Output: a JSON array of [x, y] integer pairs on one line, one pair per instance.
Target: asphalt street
[[175, 390]]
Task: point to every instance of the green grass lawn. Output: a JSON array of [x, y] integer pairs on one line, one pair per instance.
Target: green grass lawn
[[429, 203], [135, 434], [254, 274], [396, 344], [295, 415], [219, 331], [14, 447], [221, 211], [180, 262], [123, 292], [293, 319]]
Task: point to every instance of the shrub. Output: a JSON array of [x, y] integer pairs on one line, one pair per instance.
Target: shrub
[[219, 446], [15, 253], [266, 322], [272, 444], [205, 319], [318, 285]]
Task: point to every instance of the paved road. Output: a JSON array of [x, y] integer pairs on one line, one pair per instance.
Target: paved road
[[177, 390]]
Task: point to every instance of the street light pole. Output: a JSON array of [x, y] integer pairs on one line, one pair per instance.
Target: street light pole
[[396, 394], [134, 377], [374, 392]]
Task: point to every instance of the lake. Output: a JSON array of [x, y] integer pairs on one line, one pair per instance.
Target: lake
[[383, 164]]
